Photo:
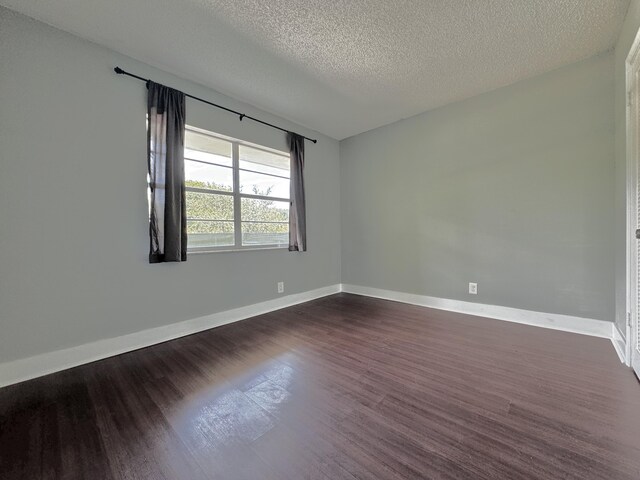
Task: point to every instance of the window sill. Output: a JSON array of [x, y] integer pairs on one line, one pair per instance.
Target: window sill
[[236, 250]]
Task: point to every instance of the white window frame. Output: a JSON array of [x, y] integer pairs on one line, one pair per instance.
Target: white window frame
[[238, 196]]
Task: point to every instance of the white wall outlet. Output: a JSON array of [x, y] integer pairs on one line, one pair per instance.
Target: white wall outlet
[[473, 288], [280, 287]]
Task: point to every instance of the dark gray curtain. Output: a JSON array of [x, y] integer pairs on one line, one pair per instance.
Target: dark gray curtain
[[167, 206], [297, 215]]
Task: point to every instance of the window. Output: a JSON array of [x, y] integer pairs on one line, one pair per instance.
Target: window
[[237, 193]]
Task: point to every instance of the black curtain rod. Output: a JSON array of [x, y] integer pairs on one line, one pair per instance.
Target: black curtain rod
[[120, 71]]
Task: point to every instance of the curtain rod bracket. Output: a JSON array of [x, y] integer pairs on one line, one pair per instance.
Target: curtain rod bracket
[[242, 115]]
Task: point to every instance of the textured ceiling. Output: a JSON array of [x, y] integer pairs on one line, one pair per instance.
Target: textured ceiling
[[343, 67]]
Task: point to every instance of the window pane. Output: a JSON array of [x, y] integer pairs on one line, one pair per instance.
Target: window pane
[[265, 234], [265, 185], [211, 177], [209, 206], [199, 146], [265, 162], [264, 210], [210, 234]]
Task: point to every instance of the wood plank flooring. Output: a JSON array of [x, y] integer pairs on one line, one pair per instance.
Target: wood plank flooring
[[344, 387]]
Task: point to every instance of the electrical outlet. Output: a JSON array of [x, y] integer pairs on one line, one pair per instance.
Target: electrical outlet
[[473, 288], [280, 287]]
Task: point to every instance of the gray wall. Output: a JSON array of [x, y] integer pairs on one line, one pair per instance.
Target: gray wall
[[73, 208], [627, 35], [512, 189]]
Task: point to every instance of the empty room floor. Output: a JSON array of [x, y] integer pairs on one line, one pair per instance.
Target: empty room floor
[[343, 387]]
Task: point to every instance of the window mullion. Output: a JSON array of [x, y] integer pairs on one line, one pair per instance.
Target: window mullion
[[235, 154]]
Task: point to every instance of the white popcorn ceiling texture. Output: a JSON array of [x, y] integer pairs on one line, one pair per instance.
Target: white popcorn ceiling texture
[[344, 67]]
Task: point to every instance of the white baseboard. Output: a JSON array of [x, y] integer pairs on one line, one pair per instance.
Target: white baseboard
[[39, 365], [619, 344], [567, 323], [36, 366]]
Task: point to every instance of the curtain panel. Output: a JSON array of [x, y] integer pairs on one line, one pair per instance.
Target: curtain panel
[[167, 205], [297, 215]]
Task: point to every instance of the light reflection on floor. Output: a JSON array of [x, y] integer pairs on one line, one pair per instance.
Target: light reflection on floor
[[243, 410]]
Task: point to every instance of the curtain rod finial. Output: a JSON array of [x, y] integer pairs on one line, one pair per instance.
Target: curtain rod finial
[[118, 70]]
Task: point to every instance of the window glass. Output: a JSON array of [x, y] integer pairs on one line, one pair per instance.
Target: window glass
[[207, 148], [262, 161], [206, 206], [221, 175], [207, 176], [265, 185], [203, 233]]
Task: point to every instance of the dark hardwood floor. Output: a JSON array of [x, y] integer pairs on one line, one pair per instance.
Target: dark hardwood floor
[[345, 387]]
